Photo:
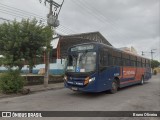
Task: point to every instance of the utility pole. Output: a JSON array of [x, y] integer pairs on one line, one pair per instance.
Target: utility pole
[[152, 57], [52, 21], [143, 53], [152, 53]]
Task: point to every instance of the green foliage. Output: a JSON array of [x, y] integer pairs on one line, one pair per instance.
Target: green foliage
[[155, 72], [23, 40], [10, 43], [154, 63], [11, 82], [1, 61]]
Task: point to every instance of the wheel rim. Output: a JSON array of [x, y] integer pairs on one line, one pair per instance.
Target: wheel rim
[[142, 81], [114, 86]]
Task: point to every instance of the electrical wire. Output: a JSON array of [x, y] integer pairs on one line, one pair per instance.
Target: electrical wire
[[97, 14]]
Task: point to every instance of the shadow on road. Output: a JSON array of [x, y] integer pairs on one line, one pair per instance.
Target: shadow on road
[[86, 94], [79, 94], [133, 86]]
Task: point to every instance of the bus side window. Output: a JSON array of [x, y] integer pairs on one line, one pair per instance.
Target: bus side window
[[119, 61], [123, 62], [135, 63], [110, 62], [70, 60], [147, 63], [105, 59], [132, 63], [144, 65], [127, 62], [139, 64], [101, 58], [114, 60]]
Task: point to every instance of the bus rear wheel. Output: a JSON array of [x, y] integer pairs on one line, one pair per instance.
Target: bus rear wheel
[[142, 81], [114, 87]]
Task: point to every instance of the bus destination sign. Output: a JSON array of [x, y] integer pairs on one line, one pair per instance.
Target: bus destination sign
[[82, 47]]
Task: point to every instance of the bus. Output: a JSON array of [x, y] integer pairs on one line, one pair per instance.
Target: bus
[[96, 67]]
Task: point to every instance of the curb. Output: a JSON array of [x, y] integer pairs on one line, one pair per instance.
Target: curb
[[45, 90], [31, 92]]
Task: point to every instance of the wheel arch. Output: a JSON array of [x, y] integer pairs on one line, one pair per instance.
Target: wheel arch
[[142, 76], [118, 81]]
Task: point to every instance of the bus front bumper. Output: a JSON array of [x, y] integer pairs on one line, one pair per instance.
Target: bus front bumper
[[88, 88]]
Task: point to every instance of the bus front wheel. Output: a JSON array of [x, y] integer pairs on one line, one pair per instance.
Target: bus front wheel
[[114, 87]]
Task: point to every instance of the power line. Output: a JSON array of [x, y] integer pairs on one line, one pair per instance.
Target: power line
[[21, 13], [13, 13], [4, 19], [92, 15], [107, 19], [101, 17], [59, 29], [19, 10], [63, 28]]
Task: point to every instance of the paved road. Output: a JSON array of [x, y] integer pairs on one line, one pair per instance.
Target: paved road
[[134, 98]]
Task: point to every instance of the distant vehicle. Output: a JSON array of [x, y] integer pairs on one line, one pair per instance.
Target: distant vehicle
[[95, 67]]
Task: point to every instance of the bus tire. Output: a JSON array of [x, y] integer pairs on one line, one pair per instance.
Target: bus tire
[[142, 81], [114, 87]]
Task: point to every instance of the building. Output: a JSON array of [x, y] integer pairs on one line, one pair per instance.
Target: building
[[67, 41], [157, 69], [130, 50]]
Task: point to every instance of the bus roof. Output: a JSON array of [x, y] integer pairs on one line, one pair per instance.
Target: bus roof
[[111, 47]]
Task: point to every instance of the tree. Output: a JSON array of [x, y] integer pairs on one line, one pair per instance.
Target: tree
[[154, 64], [22, 41], [1, 61], [37, 37], [10, 43]]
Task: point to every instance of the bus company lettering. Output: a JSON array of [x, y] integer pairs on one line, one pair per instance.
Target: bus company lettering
[[129, 72]]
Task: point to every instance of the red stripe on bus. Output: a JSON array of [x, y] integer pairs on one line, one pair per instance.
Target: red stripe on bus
[[129, 81]]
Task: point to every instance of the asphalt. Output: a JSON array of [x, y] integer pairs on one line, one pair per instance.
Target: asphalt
[[134, 98]]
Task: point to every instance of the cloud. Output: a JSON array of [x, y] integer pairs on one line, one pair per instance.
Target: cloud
[[123, 22]]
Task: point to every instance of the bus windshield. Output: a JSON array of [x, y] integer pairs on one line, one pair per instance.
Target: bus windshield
[[82, 62]]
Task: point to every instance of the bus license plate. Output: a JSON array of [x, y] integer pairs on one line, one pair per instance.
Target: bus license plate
[[74, 88]]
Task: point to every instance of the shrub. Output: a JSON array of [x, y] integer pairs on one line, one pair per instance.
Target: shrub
[[11, 82], [155, 72]]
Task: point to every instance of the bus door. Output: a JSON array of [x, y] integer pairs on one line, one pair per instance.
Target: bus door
[[105, 72]]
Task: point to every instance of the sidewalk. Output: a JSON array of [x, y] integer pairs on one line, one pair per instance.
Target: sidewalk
[[36, 88]]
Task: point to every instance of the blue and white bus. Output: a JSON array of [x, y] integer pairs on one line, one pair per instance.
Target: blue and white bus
[[95, 67]]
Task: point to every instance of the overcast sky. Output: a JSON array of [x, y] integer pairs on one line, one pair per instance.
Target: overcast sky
[[122, 22]]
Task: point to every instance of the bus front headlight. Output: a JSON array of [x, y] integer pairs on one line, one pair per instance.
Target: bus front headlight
[[65, 78], [91, 79]]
